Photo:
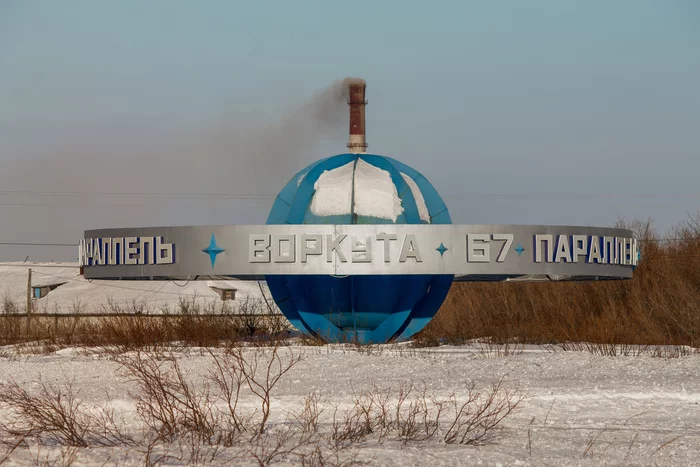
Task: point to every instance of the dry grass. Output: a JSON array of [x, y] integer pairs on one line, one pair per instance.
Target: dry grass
[[190, 323], [659, 306]]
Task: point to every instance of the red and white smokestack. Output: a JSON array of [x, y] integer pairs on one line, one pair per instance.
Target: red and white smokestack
[[356, 100]]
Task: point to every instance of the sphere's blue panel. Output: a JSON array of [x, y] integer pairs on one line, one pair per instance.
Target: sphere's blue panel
[[380, 296], [376, 294], [335, 301], [426, 308], [360, 309], [280, 208], [280, 293], [278, 212], [387, 329], [344, 320], [302, 293], [368, 320], [322, 328], [371, 220], [410, 214], [441, 218], [413, 288], [306, 190], [311, 218], [311, 304], [432, 199]]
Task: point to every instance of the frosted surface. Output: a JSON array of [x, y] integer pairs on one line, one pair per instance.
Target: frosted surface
[[375, 193], [418, 196], [333, 194]]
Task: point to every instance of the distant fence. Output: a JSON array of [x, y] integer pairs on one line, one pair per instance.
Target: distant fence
[[138, 328], [143, 315]]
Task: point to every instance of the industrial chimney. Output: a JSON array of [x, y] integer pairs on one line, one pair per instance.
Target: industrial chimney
[[356, 100]]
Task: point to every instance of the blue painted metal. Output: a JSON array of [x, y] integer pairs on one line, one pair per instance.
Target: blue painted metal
[[213, 250], [436, 206], [305, 190], [364, 309]]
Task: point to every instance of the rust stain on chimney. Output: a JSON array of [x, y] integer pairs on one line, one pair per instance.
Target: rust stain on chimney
[[356, 100]]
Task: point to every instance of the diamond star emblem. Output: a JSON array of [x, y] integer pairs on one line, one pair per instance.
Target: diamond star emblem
[[441, 249], [213, 250], [519, 249]]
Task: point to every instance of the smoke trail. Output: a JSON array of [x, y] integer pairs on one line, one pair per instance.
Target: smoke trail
[[282, 149], [238, 155], [261, 158]]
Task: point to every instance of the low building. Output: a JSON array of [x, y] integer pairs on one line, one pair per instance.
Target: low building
[[59, 287]]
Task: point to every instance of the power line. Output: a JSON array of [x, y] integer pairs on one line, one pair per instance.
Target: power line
[[132, 193], [83, 205], [72, 245], [577, 195], [668, 239], [467, 199], [270, 195]]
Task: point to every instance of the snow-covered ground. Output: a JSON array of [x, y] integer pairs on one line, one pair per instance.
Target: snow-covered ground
[[79, 294], [580, 409]]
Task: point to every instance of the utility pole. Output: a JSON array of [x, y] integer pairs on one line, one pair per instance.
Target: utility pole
[[29, 301]]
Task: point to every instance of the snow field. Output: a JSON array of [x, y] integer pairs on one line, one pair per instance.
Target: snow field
[[579, 409]]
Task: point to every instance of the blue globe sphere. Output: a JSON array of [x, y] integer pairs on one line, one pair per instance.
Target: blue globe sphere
[[359, 189]]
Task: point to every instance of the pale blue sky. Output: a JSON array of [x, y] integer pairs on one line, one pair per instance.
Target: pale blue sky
[[527, 102]]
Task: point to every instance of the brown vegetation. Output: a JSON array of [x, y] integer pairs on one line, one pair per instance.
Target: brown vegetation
[[204, 420], [660, 305], [190, 323]]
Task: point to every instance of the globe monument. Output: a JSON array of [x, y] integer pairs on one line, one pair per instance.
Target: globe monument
[[360, 247], [359, 189]]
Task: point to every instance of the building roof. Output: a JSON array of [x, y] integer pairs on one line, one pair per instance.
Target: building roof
[[48, 283], [95, 295]]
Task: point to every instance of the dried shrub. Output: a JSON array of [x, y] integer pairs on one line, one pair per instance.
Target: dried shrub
[[261, 369], [307, 419], [410, 415], [57, 413], [193, 421], [478, 418], [172, 407], [166, 401]]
